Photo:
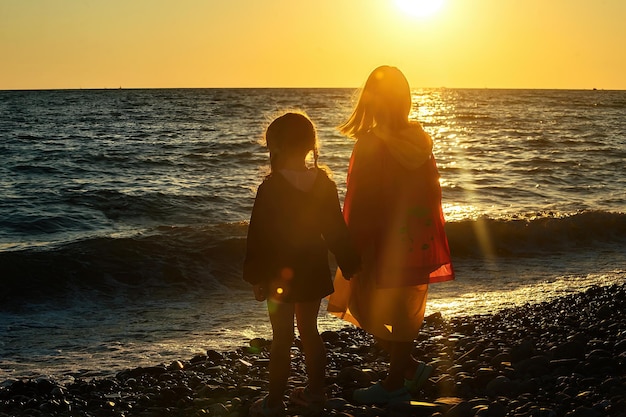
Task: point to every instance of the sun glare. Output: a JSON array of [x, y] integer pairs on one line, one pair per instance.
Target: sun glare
[[420, 8]]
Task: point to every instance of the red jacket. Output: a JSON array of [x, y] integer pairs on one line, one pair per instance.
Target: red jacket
[[398, 211]]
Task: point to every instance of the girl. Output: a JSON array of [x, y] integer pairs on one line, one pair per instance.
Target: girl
[[393, 210], [295, 220]]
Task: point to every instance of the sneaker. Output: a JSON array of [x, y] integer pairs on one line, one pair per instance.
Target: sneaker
[[377, 394], [422, 373], [260, 409], [302, 397]]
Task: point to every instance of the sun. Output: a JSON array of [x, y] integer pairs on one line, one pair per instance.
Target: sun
[[420, 8]]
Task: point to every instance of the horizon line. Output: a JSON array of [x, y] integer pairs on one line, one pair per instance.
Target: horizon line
[[300, 88]]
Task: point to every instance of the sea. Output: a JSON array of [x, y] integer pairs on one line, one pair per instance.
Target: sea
[[123, 213]]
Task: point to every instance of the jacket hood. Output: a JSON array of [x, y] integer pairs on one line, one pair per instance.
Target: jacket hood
[[411, 146], [302, 180]]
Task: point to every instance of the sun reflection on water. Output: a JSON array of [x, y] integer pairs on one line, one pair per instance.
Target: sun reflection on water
[[458, 212], [485, 300]]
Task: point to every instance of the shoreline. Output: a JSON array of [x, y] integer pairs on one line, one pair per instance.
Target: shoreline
[[564, 357]]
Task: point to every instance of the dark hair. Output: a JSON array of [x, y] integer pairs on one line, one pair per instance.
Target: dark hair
[[290, 134]]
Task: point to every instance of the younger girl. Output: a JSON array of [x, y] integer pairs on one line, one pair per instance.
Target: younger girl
[[295, 220]]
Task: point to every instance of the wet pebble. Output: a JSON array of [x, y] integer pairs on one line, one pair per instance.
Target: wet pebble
[[546, 360]]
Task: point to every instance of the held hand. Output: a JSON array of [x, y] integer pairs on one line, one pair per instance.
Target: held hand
[[351, 274], [260, 294]]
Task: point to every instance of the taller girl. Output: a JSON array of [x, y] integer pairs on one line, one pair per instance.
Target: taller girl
[[393, 211]]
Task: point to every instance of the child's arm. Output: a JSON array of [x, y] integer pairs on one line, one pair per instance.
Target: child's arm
[[258, 246], [337, 236]]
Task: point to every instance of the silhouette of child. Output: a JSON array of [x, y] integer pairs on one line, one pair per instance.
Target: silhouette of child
[[393, 210], [295, 220]]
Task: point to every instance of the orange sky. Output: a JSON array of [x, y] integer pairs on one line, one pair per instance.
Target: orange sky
[[49, 44]]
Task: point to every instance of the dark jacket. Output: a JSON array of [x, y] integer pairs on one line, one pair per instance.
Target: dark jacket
[[289, 236]]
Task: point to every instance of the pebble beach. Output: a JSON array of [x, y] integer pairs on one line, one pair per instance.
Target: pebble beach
[[565, 357], [124, 214]]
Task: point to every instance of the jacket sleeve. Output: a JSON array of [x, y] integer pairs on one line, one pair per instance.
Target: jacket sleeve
[[362, 205], [256, 266], [337, 237]]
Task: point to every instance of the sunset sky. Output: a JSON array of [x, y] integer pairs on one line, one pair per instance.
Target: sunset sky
[[52, 44]]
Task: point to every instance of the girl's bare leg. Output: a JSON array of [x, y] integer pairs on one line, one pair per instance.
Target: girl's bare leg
[[281, 317], [312, 344], [403, 364], [400, 361]]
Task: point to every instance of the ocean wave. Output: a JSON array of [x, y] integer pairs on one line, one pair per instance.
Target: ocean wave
[[536, 234], [209, 257], [165, 258]]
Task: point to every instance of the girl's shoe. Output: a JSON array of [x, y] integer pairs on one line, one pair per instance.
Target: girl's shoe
[[260, 409], [377, 394], [420, 376], [303, 397]]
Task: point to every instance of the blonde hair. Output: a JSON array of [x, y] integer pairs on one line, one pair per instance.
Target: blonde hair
[[385, 100], [293, 133]]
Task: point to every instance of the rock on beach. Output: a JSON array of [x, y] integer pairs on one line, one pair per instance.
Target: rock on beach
[[566, 357]]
